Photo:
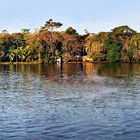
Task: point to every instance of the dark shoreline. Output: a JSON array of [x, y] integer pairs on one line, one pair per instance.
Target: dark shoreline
[[36, 63]]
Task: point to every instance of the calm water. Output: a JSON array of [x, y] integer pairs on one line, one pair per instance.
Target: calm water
[[73, 102]]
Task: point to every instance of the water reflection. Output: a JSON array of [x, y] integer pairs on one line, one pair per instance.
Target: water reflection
[[118, 69], [88, 69]]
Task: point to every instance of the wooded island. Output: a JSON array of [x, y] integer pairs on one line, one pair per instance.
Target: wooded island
[[48, 45]]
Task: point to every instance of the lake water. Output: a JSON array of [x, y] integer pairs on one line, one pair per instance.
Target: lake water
[[70, 102]]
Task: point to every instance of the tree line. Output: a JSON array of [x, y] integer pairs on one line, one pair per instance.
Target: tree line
[[48, 44]]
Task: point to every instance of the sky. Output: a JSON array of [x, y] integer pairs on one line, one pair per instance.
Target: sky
[[93, 15]]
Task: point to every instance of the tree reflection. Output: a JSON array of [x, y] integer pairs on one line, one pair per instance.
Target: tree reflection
[[67, 70]]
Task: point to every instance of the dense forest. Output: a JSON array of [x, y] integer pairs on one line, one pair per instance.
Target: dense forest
[[48, 45]]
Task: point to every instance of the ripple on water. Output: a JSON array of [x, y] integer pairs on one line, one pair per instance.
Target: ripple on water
[[72, 105]]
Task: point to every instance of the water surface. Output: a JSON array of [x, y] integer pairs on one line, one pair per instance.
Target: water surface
[[73, 101]]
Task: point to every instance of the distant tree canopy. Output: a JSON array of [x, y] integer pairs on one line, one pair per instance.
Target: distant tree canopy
[[71, 31], [50, 25], [47, 44], [119, 45], [123, 30]]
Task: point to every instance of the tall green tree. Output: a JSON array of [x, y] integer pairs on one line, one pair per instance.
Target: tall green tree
[[71, 31], [113, 50]]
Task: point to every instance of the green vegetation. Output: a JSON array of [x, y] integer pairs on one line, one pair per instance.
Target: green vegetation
[[48, 45], [122, 44], [113, 50]]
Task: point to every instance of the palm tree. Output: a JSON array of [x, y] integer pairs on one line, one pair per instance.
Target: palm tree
[[11, 55], [135, 40]]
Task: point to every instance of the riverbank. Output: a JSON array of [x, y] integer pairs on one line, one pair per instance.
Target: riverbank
[[36, 63], [21, 63]]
